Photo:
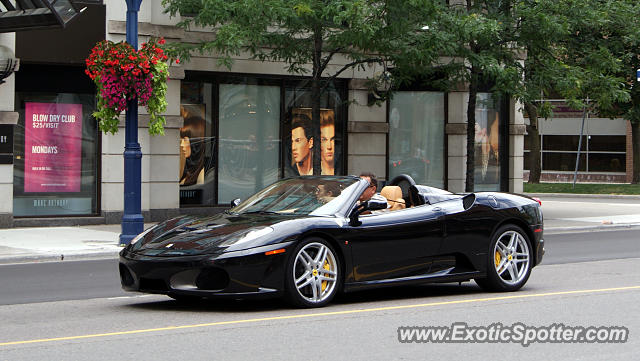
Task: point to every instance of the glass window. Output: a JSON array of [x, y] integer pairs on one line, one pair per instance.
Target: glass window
[[563, 162], [55, 153], [608, 143], [563, 142], [487, 143], [237, 134], [605, 162], [416, 136], [197, 143], [300, 148], [249, 153]]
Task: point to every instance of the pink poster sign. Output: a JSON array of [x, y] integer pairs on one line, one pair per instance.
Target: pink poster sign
[[53, 147]]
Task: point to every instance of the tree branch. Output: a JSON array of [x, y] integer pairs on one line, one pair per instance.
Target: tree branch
[[348, 66]]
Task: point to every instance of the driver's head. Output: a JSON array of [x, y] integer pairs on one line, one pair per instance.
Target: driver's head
[[371, 189]]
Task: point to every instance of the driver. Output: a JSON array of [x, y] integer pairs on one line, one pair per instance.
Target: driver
[[370, 192]]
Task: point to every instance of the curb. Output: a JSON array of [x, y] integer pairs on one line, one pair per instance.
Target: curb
[[37, 258], [579, 195], [602, 227]]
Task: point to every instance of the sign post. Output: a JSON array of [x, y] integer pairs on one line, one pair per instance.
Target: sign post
[[132, 220]]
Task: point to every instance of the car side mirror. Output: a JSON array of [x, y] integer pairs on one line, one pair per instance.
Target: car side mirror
[[235, 202], [370, 205]]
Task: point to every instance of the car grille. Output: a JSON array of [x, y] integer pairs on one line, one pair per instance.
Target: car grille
[[153, 285], [212, 279]]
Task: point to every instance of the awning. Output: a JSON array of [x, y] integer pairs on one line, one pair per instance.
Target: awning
[[19, 15]]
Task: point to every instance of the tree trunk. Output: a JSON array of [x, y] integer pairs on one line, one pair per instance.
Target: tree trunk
[[471, 130], [635, 139], [315, 100], [534, 144]]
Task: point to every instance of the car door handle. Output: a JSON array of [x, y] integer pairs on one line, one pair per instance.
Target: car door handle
[[437, 209]]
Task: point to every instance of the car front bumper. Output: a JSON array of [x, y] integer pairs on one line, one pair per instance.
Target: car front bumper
[[240, 274]]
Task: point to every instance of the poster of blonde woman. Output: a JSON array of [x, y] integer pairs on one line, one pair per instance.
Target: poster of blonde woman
[[487, 173]]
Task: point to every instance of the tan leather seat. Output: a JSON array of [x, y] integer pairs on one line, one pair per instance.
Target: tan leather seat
[[393, 194]]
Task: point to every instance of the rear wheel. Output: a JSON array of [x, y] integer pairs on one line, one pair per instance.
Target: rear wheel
[[313, 274], [509, 260]]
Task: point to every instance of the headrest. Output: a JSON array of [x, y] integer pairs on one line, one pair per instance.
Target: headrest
[[394, 195], [391, 192]]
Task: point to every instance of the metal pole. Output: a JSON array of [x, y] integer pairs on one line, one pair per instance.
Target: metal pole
[[575, 173], [132, 220]]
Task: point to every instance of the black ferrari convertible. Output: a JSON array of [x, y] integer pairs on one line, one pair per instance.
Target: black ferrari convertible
[[307, 238]]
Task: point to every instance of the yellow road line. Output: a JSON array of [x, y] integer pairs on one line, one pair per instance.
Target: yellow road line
[[321, 314]]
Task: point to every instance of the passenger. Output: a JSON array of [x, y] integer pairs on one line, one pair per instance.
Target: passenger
[[327, 192]]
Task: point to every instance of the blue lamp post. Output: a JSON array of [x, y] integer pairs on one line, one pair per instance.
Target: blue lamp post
[[132, 220]]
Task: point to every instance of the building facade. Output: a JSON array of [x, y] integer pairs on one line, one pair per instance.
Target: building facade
[[228, 134], [606, 150]]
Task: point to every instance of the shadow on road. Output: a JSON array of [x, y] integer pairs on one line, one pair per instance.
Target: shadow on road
[[422, 293]]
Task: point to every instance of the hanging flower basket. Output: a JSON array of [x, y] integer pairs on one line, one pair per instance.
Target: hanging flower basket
[[121, 73]]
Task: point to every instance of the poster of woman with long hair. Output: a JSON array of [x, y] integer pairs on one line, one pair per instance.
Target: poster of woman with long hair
[[192, 145]]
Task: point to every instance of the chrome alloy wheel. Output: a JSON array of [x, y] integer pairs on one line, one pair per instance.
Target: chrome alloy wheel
[[511, 257], [315, 272]]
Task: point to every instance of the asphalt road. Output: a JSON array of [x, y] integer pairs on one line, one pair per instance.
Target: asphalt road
[[92, 319], [75, 280]]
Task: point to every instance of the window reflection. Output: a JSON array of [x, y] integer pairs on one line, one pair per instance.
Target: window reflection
[[249, 146], [487, 156], [416, 136]]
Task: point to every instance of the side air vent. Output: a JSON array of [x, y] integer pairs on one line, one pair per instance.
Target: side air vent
[[468, 200], [125, 275]]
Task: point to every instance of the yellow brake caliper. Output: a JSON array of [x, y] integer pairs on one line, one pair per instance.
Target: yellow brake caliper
[[328, 268], [497, 259]]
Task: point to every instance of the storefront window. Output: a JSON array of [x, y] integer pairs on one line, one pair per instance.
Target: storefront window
[[300, 145], [55, 154], [416, 136], [249, 119], [237, 135], [487, 143]]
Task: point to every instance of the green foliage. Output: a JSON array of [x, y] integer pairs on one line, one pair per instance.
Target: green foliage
[[122, 73], [305, 32], [582, 188]]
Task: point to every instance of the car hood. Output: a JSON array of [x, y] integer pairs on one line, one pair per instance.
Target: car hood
[[195, 235]]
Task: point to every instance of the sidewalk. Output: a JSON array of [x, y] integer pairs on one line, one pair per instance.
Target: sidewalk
[[42, 244], [562, 212]]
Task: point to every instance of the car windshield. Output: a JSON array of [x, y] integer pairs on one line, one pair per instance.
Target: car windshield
[[315, 196]]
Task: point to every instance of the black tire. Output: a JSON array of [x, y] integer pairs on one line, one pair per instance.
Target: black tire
[[317, 292], [507, 270]]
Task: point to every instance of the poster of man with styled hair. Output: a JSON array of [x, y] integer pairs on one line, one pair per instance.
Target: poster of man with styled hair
[[304, 147]]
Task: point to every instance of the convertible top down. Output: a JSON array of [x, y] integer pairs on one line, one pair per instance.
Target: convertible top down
[[306, 238]]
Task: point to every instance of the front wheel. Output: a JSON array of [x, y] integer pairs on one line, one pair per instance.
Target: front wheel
[[312, 274], [509, 263]]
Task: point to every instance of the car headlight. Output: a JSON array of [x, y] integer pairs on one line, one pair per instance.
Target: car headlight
[[141, 235], [246, 236]]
